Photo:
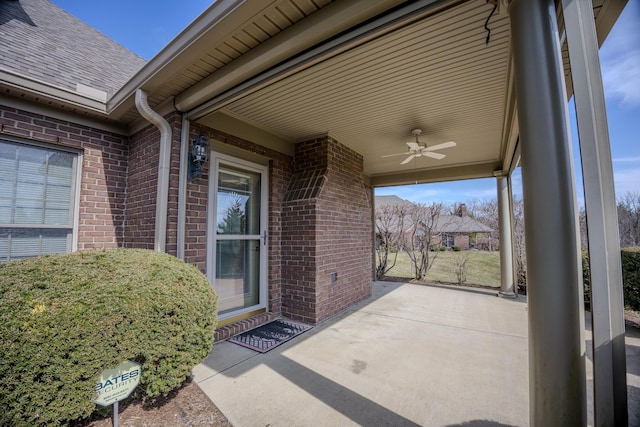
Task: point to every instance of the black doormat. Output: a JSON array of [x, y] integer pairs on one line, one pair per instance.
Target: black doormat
[[265, 337]]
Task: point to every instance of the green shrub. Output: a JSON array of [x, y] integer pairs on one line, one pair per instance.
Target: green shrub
[[65, 318], [630, 258], [586, 278], [631, 277], [455, 248]]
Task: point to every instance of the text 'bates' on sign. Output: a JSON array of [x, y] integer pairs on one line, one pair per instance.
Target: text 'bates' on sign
[[118, 383]]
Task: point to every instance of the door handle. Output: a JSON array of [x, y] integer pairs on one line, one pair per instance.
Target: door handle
[[264, 237]]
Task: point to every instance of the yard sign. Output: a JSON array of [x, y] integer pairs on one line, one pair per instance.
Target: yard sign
[[118, 383]]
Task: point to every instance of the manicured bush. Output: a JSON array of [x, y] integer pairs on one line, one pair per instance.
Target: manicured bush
[[66, 318], [631, 277], [455, 248]]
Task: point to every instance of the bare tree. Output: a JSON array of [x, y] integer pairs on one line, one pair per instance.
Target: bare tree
[[460, 267], [420, 238], [390, 227], [486, 212], [629, 219], [628, 206], [519, 250], [582, 221]]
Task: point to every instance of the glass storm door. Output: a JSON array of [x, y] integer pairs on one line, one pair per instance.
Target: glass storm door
[[238, 236]]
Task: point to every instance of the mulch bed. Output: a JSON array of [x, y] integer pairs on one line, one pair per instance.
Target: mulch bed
[[185, 406]]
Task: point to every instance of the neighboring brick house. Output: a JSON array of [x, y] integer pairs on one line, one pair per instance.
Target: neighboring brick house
[[460, 230], [457, 230]]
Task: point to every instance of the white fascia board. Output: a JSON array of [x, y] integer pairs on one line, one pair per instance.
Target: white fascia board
[[220, 19]]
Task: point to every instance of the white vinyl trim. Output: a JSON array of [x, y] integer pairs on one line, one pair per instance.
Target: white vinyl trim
[[74, 214], [216, 160], [182, 185]]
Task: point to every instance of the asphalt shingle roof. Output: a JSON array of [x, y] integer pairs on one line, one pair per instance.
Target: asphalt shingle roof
[[445, 223], [457, 224], [391, 201], [41, 41]]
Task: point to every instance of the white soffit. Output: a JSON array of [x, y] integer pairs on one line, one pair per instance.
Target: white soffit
[[436, 74]]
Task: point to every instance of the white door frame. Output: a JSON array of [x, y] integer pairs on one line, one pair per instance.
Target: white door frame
[[216, 160]]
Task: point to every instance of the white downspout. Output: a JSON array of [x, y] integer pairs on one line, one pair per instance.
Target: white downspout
[[162, 196], [182, 192]]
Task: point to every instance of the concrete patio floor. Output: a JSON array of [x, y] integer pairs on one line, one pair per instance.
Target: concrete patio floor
[[410, 355]]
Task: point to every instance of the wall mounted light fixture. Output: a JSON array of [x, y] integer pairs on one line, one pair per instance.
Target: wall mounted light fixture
[[198, 155]]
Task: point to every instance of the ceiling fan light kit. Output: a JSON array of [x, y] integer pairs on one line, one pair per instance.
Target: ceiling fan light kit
[[416, 149]]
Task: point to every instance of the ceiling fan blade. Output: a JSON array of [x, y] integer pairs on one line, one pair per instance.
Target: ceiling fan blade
[[413, 145], [437, 156], [408, 159], [397, 154], [441, 146]]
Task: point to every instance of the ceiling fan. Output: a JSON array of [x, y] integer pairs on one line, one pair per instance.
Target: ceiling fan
[[416, 149]]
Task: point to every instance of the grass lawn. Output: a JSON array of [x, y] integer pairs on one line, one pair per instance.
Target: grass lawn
[[483, 268]]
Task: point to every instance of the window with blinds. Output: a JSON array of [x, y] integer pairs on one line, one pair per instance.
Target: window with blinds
[[37, 190]]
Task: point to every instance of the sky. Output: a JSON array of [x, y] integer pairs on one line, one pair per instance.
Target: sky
[[148, 26]]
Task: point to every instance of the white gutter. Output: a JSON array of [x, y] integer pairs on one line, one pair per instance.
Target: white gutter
[[182, 184], [220, 19], [162, 194]]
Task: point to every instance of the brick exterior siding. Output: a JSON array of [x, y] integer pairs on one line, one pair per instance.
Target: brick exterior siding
[[104, 171], [308, 239], [461, 240], [324, 228], [143, 184], [141, 195], [327, 231]]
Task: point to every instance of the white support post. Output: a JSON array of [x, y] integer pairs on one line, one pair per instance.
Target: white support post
[[607, 307], [557, 376], [507, 288]]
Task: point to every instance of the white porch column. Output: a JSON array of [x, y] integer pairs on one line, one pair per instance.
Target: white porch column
[[607, 307], [557, 377], [507, 288]]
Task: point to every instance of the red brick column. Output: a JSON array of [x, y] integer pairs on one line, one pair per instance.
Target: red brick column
[[326, 241]]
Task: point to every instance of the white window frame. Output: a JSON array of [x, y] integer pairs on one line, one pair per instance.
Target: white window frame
[[74, 208], [448, 238]]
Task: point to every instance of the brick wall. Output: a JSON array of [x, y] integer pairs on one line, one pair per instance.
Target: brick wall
[[461, 240], [280, 169], [143, 184], [196, 215], [327, 231], [175, 121], [345, 233], [104, 171]]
